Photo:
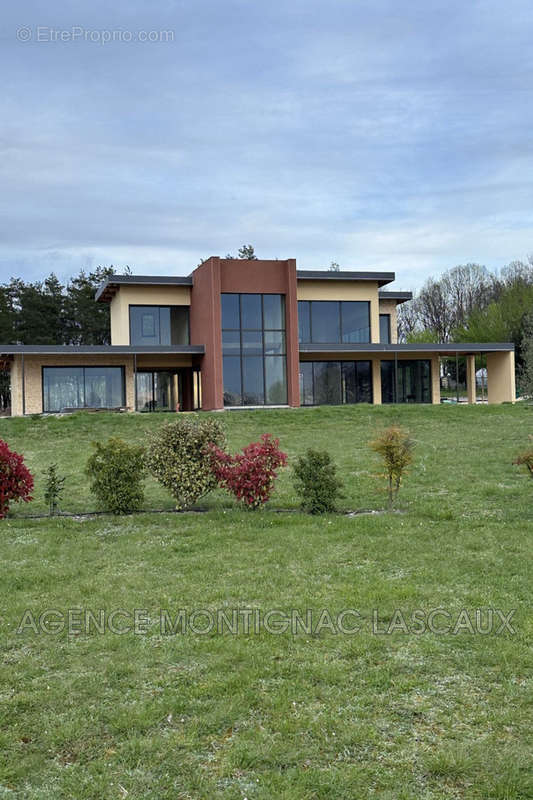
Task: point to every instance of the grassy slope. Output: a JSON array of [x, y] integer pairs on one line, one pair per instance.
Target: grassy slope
[[265, 716]]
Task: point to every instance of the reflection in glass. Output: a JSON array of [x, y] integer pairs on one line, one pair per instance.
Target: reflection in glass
[[253, 387], [276, 381], [335, 382], [82, 387]]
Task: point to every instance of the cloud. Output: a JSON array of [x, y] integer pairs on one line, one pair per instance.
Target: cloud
[[368, 133]]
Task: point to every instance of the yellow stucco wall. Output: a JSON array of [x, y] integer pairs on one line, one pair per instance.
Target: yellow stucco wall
[[344, 290], [501, 387], [142, 295]]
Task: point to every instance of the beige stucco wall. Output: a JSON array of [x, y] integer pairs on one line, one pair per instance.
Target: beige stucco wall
[[389, 307], [344, 290], [501, 387], [142, 296], [33, 377]]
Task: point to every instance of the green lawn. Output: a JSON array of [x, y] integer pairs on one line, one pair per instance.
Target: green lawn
[[325, 715]]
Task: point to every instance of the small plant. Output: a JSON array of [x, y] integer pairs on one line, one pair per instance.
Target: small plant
[[53, 488], [178, 457], [316, 481], [250, 474], [117, 472], [395, 447], [526, 458], [16, 481]]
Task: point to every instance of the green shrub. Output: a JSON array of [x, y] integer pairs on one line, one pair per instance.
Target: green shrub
[[315, 480], [117, 472], [395, 447], [178, 457]]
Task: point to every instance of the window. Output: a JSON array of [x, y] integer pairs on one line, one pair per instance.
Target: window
[[334, 321], [335, 382], [82, 387], [254, 349], [406, 381], [158, 325], [384, 329]]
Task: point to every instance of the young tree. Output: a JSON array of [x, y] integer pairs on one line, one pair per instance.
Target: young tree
[[395, 447], [247, 252]]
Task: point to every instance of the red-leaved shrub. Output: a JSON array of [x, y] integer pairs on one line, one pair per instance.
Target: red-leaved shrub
[[249, 475], [16, 481]]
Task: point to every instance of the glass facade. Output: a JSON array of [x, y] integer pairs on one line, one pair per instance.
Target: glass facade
[[384, 329], [155, 325], [335, 382], [82, 387], [162, 390], [254, 349], [333, 321], [412, 384]]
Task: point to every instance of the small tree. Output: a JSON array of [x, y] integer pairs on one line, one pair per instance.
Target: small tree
[[117, 472], [395, 447], [16, 481], [316, 482], [177, 456], [250, 474], [53, 489]]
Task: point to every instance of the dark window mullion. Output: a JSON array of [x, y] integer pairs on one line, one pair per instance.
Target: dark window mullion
[[263, 345], [341, 328]]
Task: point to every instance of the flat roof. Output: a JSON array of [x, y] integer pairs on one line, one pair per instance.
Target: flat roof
[[97, 349], [400, 297], [443, 348], [108, 288], [331, 275]]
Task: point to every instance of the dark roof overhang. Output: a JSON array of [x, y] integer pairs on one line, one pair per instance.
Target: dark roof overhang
[[381, 278], [439, 348], [107, 290], [99, 349]]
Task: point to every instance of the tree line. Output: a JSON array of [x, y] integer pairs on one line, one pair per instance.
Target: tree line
[[52, 312], [470, 303]]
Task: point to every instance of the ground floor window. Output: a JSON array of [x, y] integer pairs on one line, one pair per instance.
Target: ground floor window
[[168, 390], [82, 387], [406, 381], [158, 390], [335, 382]]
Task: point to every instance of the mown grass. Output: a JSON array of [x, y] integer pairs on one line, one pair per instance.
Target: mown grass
[[291, 716]]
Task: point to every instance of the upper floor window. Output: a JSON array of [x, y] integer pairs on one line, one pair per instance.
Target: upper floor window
[[384, 329], [158, 325], [334, 321], [254, 349]]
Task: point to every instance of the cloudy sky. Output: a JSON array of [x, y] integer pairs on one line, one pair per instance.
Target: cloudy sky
[[375, 133]]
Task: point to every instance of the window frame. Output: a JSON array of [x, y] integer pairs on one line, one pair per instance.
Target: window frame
[[83, 367], [159, 307], [340, 322], [263, 355], [389, 327], [340, 362]]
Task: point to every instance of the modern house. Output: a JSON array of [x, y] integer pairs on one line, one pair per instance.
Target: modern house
[[246, 333]]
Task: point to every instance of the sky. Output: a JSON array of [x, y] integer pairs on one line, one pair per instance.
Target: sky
[[378, 134]]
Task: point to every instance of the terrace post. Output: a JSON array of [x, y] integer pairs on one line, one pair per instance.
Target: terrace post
[[501, 377], [471, 378], [376, 381]]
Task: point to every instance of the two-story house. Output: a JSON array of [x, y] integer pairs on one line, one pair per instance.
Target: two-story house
[[246, 333]]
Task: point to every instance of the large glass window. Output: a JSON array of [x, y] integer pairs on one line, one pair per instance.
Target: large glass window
[[334, 321], [254, 349], [384, 328], [159, 325], [82, 387], [335, 382], [406, 381]]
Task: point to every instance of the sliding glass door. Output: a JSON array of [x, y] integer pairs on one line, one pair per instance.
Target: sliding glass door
[[335, 382], [158, 390], [406, 381]]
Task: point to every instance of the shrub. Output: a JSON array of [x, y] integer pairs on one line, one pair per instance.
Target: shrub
[[117, 472], [526, 458], [178, 457], [53, 488], [249, 475], [16, 481], [395, 447], [316, 481]]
